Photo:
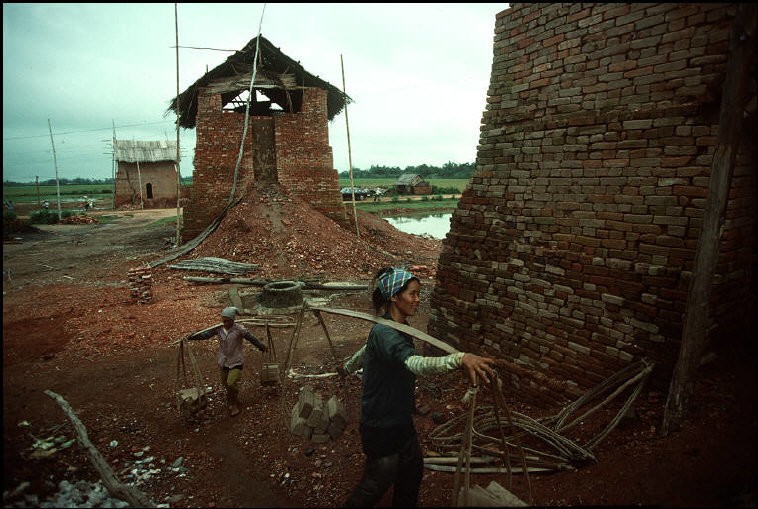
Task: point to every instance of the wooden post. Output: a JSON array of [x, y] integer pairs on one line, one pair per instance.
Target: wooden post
[[696, 324], [113, 166], [349, 152]]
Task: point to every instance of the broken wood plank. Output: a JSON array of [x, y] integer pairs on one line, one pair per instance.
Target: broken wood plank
[[125, 492]]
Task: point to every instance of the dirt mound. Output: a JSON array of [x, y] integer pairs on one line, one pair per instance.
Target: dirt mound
[[13, 225], [287, 238]]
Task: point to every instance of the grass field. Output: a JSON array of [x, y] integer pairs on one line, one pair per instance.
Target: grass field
[[26, 194], [408, 206], [459, 184]]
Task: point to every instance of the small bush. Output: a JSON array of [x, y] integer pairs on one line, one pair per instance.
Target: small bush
[[45, 216]]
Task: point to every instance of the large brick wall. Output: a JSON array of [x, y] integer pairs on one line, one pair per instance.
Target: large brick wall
[[304, 157], [160, 176], [291, 148], [572, 248]]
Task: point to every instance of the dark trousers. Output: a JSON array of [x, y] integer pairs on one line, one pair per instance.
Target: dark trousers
[[403, 469]]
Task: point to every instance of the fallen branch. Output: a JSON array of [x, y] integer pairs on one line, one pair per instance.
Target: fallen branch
[[130, 494]]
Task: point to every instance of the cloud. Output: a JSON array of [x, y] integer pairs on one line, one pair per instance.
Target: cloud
[[418, 74]]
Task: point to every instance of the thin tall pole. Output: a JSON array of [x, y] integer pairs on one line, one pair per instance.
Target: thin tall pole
[[36, 178], [178, 173], [349, 152], [55, 162], [113, 167], [139, 178]]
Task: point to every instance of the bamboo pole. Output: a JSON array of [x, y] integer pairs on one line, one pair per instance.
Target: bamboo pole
[[55, 162], [139, 179], [176, 166], [349, 153]]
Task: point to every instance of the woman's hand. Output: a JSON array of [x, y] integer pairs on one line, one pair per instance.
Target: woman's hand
[[476, 366]]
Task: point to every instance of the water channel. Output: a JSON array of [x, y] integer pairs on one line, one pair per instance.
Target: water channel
[[432, 225]]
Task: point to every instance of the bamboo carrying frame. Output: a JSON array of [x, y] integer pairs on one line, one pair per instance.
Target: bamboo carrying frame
[[192, 400], [270, 372]]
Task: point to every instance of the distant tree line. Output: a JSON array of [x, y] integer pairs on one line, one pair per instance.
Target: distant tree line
[[79, 181], [448, 170]]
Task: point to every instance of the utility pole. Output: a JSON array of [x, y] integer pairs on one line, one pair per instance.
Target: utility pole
[[36, 178], [55, 162], [113, 167]]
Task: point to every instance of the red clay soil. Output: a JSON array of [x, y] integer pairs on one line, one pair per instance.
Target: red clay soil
[[70, 325]]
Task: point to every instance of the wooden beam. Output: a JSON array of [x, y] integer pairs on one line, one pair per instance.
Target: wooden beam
[[696, 317]]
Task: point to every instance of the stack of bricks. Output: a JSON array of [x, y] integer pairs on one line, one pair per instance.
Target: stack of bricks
[[141, 284], [572, 249], [315, 420]]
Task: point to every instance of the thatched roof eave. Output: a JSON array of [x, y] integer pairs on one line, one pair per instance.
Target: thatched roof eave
[[276, 71]]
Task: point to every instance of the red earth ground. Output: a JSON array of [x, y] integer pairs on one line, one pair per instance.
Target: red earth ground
[[70, 326]]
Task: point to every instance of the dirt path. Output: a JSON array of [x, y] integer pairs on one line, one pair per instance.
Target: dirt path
[[69, 325]]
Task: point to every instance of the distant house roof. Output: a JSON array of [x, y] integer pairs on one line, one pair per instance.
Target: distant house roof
[[130, 151], [276, 75], [409, 179]]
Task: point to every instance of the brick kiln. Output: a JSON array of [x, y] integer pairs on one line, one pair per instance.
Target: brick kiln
[[287, 140], [572, 248]]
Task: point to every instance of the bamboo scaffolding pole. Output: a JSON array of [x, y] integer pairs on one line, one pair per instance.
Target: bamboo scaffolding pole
[[350, 153]]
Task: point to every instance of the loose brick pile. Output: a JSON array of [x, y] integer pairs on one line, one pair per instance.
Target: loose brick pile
[[316, 420], [141, 284]]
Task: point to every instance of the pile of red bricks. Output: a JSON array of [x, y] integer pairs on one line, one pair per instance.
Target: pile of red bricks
[[141, 284], [315, 420]]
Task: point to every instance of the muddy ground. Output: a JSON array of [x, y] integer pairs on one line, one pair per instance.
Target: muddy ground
[[70, 326]]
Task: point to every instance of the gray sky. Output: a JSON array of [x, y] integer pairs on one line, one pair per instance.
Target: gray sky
[[418, 74]]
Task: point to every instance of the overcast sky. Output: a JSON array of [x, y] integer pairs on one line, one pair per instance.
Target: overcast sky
[[418, 75]]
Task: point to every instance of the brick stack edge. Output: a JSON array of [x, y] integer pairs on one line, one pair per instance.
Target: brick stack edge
[[572, 248], [141, 284], [316, 420]]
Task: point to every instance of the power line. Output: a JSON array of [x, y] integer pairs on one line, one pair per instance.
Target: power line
[[86, 130]]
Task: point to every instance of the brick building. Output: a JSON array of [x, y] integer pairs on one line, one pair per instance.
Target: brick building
[[287, 140], [146, 173], [572, 248], [410, 183]]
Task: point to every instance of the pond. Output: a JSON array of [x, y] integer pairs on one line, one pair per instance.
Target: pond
[[432, 225]]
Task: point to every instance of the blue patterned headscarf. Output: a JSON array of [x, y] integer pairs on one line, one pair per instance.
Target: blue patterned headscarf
[[392, 281]]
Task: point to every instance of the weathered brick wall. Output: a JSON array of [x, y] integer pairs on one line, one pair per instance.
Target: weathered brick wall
[[303, 158], [572, 248], [218, 136], [160, 175]]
